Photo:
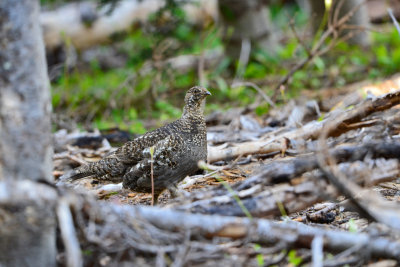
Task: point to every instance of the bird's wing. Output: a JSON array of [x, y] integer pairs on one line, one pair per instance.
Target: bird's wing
[[114, 165], [166, 154], [134, 151]]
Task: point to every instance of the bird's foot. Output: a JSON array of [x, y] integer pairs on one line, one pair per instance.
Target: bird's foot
[[175, 192]]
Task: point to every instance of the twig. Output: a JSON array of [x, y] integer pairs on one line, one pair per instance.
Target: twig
[[291, 24], [396, 24], [151, 174], [317, 246], [372, 206], [257, 88], [315, 51], [310, 130], [119, 227], [243, 59], [68, 234]]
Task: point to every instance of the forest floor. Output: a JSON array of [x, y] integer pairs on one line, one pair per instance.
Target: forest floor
[[328, 158]]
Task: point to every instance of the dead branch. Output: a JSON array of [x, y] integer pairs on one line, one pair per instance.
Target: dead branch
[[68, 233], [69, 24], [368, 202], [372, 206], [261, 199], [396, 24], [258, 200], [119, 227], [263, 231], [257, 88], [312, 130], [261, 147], [340, 124], [285, 170]]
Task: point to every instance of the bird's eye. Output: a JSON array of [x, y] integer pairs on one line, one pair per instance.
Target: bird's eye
[[196, 91]]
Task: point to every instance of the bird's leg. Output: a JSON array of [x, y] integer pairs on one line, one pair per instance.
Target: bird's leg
[[174, 191], [156, 195]]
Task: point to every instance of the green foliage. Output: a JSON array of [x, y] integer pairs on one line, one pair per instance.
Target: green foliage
[[129, 96], [259, 257], [87, 252], [262, 109], [352, 226], [293, 258]]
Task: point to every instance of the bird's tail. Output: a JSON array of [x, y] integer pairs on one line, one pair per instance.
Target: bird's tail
[[80, 172]]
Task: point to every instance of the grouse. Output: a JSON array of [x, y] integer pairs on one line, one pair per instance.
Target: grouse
[[176, 147]]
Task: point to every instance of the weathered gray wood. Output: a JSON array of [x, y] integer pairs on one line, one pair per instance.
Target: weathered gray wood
[[111, 220], [86, 25], [27, 231], [25, 104]]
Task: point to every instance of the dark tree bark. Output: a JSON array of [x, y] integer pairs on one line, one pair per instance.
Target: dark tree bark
[[359, 21], [27, 230], [317, 10]]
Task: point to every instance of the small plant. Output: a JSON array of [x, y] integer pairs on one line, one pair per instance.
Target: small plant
[[259, 257], [352, 226], [151, 175], [293, 258]]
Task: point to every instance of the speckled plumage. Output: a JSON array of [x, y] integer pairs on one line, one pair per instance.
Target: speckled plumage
[[178, 146]]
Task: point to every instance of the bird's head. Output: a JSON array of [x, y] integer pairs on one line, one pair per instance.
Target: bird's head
[[195, 96]]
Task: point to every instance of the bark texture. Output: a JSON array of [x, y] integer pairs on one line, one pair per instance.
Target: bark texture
[[248, 20], [317, 10], [27, 230], [85, 25], [359, 22]]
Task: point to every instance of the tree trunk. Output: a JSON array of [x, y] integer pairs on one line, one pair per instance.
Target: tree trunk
[[82, 23], [27, 230], [317, 11], [360, 20], [248, 20]]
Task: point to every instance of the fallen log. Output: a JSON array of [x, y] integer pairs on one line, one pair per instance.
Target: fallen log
[[257, 201], [83, 25], [259, 198], [148, 229], [312, 130], [285, 170]]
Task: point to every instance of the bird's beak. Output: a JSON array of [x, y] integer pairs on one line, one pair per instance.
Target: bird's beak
[[207, 92]]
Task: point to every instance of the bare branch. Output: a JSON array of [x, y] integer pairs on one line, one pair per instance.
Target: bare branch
[[68, 233]]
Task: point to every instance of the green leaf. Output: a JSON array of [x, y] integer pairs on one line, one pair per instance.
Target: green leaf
[[255, 70], [185, 80], [262, 109], [319, 63], [352, 226], [222, 85], [87, 252], [260, 259], [293, 258], [183, 32], [137, 127], [132, 114]]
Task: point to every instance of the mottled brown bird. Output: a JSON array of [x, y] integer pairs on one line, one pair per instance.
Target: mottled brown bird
[[178, 146]]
